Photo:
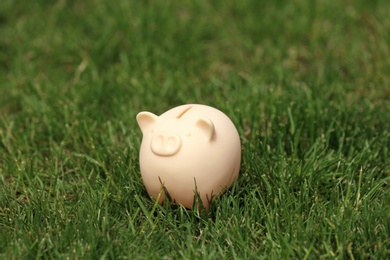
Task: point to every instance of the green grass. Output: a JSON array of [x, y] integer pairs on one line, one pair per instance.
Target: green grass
[[306, 83]]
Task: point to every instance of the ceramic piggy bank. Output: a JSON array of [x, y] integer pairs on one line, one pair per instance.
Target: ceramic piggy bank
[[188, 149]]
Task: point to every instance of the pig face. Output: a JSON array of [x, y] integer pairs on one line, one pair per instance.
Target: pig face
[[166, 136]]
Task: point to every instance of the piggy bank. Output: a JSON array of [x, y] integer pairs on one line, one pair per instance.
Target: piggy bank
[[187, 150]]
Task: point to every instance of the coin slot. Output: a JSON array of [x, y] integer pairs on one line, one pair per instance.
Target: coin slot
[[183, 112]]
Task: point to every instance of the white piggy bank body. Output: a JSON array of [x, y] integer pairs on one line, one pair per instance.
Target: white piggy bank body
[[188, 148]]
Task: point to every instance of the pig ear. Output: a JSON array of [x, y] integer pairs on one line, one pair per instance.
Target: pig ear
[[145, 119], [207, 127]]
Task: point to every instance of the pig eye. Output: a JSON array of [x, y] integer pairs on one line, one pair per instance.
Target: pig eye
[[188, 134]]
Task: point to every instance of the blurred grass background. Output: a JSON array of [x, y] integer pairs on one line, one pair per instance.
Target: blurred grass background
[[306, 83]]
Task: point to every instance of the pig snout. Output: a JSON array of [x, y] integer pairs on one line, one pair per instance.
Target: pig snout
[[165, 143]]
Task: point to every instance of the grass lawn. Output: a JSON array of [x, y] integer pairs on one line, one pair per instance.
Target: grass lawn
[[307, 84]]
